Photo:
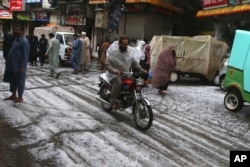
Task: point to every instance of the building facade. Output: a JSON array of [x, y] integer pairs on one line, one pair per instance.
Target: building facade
[[227, 16]]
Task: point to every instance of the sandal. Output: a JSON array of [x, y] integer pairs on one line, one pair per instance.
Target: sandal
[[114, 106], [161, 92], [18, 100], [10, 98]]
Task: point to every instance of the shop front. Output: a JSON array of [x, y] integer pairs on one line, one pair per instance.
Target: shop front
[[227, 17]]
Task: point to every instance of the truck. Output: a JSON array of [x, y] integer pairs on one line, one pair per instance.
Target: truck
[[65, 36], [237, 82], [198, 56]]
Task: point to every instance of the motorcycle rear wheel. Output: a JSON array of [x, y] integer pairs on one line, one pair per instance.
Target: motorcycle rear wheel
[[105, 95], [143, 115]]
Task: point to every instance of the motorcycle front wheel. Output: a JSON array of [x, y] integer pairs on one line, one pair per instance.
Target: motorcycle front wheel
[[105, 95], [143, 115]]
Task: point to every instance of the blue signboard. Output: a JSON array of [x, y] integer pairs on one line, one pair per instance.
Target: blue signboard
[[33, 1]]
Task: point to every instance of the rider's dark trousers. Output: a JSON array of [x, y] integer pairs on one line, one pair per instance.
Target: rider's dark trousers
[[116, 89]]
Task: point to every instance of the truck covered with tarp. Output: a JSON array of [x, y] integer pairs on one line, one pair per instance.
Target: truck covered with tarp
[[199, 55]]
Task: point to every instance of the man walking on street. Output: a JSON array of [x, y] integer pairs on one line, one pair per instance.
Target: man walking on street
[[53, 53], [16, 64], [82, 52], [76, 54], [86, 51]]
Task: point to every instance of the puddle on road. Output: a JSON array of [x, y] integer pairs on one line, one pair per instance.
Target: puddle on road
[[12, 157]]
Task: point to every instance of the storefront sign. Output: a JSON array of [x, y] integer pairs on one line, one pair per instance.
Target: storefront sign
[[33, 16], [209, 4], [234, 2], [17, 5], [245, 1], [5, 14], [101, 19], [73, 20], [42, 16], [28, 16], [115, 18], [33, 1]]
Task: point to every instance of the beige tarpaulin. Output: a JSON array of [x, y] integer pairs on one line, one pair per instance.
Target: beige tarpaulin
[[201, 55]]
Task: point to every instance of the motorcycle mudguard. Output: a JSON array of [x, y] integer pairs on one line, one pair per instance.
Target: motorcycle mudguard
[[104, 77], [145, 101]]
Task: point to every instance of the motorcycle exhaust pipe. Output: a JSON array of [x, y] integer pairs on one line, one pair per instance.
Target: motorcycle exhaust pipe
[[104, 101]]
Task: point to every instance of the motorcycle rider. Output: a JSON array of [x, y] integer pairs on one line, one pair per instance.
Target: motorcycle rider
[[120, 58]]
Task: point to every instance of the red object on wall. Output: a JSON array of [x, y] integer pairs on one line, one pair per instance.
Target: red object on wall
[[17, 5]]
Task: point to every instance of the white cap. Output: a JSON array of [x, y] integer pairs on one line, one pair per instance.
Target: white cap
[[83, 33]]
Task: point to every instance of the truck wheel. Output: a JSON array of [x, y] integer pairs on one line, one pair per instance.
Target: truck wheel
[[233, 101], [174, 77]]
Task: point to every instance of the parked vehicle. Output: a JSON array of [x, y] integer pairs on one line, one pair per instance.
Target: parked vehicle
[[237, 82], [65, 36], [65, 50], [131, 95], [220, 76], [198, 56]]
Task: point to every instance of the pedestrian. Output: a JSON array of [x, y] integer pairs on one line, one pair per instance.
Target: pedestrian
[[104, 47], [53, 54], [146, 62], [76, 54], [33, 41], [42, 48], [81, 37], [139, 52], [8, 40], [165, 65], [87, 51], [16, 64]]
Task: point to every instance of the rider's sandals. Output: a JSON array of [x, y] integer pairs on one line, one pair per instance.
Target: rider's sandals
[[114, 106], [161, 92]]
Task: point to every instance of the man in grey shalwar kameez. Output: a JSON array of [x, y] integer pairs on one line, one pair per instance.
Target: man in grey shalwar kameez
[[53, 53], [16, 64], [120, 58]]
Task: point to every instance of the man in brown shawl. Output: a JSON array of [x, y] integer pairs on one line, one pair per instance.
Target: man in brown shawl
[[103, 57], [164, 67]]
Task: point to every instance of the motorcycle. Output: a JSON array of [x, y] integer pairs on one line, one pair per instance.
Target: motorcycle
[[131, 95]]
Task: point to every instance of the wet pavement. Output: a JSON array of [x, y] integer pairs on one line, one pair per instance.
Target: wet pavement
[[9, 155]]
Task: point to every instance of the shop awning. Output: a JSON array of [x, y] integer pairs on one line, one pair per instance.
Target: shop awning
[[224, 11], [158, 3]]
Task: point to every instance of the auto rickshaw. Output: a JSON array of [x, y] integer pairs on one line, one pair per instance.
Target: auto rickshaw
[[237, 80]]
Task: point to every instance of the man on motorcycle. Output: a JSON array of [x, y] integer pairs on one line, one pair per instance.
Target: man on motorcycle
[[120, 58]]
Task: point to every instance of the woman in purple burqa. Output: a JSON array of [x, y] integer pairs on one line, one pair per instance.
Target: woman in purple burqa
[[164, 67]]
